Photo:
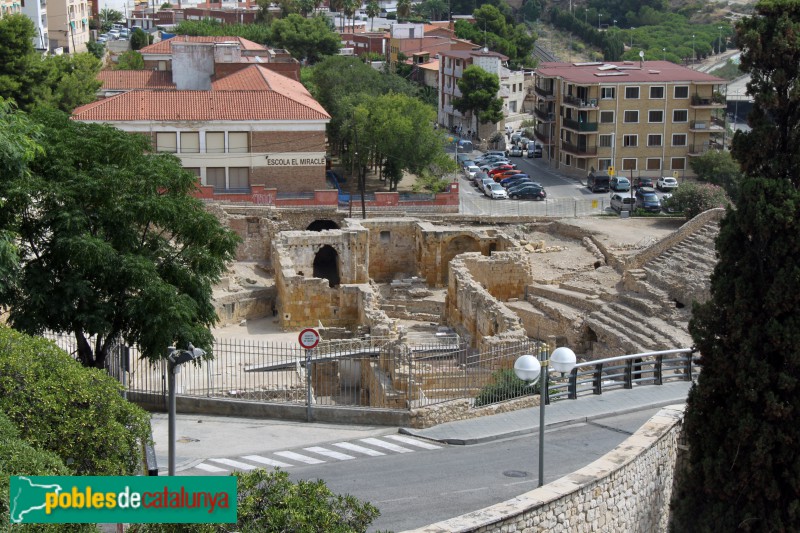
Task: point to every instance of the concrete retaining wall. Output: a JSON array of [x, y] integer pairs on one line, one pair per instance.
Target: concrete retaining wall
[[628, 489]]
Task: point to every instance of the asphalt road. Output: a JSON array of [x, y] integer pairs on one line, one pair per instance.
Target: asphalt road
[[415, 489]]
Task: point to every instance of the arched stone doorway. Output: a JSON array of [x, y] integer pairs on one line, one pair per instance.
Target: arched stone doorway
[[457, 245], [326, 265], [321, 225]]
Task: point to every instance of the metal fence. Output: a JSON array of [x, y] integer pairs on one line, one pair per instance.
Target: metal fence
[[552, 207]]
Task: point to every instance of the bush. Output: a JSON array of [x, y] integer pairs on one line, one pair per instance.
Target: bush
[[505, 385], [75, 412], [694, 198]]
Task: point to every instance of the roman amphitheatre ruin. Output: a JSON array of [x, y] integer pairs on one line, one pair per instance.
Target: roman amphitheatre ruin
[[603, 286]]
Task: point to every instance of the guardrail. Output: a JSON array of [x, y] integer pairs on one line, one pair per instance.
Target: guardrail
[[623, 372]]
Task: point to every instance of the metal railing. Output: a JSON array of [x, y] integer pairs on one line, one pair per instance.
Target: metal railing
[[579, 126], [578, 150], [623, 372]]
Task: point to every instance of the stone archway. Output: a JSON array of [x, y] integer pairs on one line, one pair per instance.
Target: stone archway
[[326, 265], [321, 225], [457, 245]]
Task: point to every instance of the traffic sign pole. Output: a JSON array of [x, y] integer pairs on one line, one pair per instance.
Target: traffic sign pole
[[308, 339]]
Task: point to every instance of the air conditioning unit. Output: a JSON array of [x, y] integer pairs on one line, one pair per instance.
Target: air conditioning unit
[[699, 125]]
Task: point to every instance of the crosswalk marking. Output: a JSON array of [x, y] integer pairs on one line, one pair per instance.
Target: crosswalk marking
[[386, 445], [209, 468], [235, 464], [265, 461], [414, 442], [360, 449], [299, 457], [329, 453]]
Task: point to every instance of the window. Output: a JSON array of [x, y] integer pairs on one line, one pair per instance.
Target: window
[[386, 236], [166, 142], [190, 142], [608, 93], [630, 140], [654, 139], [193, 170], [682, 91], [215, 176], [215, 142], [631, 93], [568, 160], [656, 93], [653, 163], [678, 139], [606, 117], [631, 117], [655, 115], [603, 164], [678, 163], [606, 141], [629, 164], [680, 115], [238, 177], [237, 142]]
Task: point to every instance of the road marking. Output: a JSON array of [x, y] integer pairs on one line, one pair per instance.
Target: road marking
[[265, 461], [386, 445], [234, 464], [360, 449], [209, 468], [329, 453], [414, 442], [299, 457]]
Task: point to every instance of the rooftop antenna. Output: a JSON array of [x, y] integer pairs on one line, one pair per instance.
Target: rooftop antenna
[[641, 58]]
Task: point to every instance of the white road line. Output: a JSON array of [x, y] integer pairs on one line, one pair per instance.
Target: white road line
[[298, 457], [209, 468], [265, 461], [329, 453], [360, 449], [386, 445], [235, 464], [414, 442]]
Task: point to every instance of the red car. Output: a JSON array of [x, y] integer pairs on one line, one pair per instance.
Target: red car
[[506, 174], [501, 168]]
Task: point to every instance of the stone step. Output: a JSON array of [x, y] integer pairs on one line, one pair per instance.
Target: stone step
[[555, 310], [579, 300], [672, 333], [603, 330], [642, 303], [626, 330]]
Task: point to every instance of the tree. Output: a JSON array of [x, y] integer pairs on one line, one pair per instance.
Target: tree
[[718, 167], [742, 421], [373, 9], [112, 243], [74, 412], [307, 39], [350, 7], [69, 81], [693, 198], [98, 50], [19, 74], [403, 9], [109, 17], [531, 10], [130, 60], [479, 95], [139, 39]]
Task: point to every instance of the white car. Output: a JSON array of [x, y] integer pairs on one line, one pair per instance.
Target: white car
[[470, 171], [666, 183], [484, 184], [496, 191]]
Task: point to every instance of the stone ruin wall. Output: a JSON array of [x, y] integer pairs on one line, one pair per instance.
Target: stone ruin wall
[[392, 248]]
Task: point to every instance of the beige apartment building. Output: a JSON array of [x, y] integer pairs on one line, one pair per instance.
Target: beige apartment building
[[68, 25], [641, 118]]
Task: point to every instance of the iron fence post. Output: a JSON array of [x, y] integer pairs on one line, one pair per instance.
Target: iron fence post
[[572, 387], [629, 374], [658, 377], [597, 379], [689, 357], [308, 385]]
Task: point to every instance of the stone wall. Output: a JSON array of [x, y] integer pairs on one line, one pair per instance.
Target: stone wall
[[628, 489], [235, 307], [392, 245], [463, 409]]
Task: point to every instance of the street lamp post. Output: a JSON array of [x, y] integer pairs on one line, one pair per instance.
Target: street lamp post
[[665, 53], [175, 358], [529, 368], [693, 53], [632, 28], [598, 21], [719, 40]]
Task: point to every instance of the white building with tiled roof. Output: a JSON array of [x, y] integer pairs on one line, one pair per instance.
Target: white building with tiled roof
[[252, 127]]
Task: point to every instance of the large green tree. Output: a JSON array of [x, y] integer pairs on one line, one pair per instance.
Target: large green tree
[[112, 244], [479, 95], [720, 168], [743, 417], [307, 39]]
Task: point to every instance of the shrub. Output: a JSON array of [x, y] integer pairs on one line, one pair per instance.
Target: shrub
[[694, 198], [505, 385]]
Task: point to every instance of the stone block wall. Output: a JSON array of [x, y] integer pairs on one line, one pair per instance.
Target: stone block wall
[[392, 245], [236, 307], [628, 489], [505, 274]]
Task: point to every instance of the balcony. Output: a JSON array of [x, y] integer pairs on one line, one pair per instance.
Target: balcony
[[574, 101], [695, 150], [547, 94], [582, 150], [703, 126], [544, 116], [579, 126], [543, 137], [716, 101]]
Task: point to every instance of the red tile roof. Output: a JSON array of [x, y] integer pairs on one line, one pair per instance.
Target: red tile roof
[[625, 72], [252, 94], [165, 47], [135, 79]]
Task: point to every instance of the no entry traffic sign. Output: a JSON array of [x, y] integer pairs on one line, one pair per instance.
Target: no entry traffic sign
[[309, 338]]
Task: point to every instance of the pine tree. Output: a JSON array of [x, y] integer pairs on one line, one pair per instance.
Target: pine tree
[[743, 417]]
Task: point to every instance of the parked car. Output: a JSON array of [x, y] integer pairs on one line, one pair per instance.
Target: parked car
[[470, 171], [643, 182], [485, 183], [124, 33], [496, 164], [479, 177], [468, 163], [666, 183], [499, 170], [598, 181], [667, 204], [500, 176], [515, 151], [496, 192], [500, 153], [515, 180], [620, 184], [102, 38], [647, 199], [461, 158], [534, 149], [622, 202], [483, 161], [529, 191], [113, 34]]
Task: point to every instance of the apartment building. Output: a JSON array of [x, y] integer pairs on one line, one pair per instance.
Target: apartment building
[[9, 7], [68, 25], [36, 10], [643, 118]]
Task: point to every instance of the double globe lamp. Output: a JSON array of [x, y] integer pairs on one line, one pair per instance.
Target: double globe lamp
[[528, 368]]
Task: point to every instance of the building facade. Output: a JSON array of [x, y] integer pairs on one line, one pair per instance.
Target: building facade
[[36, 10], [68, 25], [640, 119]]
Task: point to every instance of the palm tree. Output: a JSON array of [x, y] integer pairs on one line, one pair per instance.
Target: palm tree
[[336, 5], [373, 9], [350, 7], [403, 9]]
